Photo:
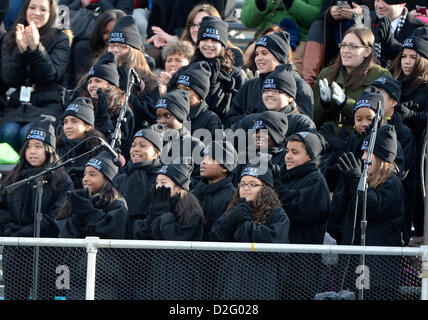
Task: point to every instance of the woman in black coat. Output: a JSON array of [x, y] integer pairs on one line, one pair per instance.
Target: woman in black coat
[[34, 59], [96, 210], [17, 213]]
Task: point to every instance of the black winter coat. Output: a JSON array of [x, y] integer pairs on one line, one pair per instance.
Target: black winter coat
[[126, 6], [46, 69], [385, 214], [17, 209], [135, 184], [249, 99], [275, 230], [214, 199], [305, 197], [108, 222], [202, 118]]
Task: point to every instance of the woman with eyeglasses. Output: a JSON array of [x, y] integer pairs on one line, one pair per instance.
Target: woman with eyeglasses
[[339, 85], [34, 58], [254, 214]]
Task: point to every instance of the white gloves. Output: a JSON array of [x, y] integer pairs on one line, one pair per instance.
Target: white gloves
[[338, 94], [326, 95]]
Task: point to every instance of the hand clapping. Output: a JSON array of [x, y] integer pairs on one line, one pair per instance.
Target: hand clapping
[[27, 37]]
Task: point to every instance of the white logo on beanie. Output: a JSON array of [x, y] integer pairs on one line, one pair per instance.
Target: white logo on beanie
[[211, 33], [381, 80], [163, 170], [91, 71], [408, 43], [303, 134], [36, 134], [363, 103], [365, 145], [73, 107], [258, 125], [117, 37], [162, 104], [184, 80], [250, 171], [262, 42], [269, 84], [94, 163]]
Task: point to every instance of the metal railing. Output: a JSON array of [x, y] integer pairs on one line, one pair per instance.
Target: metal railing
[[208, 257]]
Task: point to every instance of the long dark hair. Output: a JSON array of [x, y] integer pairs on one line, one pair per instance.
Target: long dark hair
[[418, 77], [97, 45], [265, 202], [107, 195], [57, 177], [47, 32], [187, 207], [357, 76]]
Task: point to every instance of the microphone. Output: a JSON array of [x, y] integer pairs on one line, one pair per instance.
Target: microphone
[[117, 158], [139, 85]]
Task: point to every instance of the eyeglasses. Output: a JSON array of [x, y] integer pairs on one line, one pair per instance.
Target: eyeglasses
[[251, 185], [194, 25], [350, 46], [275, 92], [121, 46]]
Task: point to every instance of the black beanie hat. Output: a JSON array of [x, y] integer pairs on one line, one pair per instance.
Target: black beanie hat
[[197, 77], [126, 31], [106, 68], [370, 98], [275, 122], [81, 108], [396, 1], [391, 86], [43, 130], [224, 153], [255, 171], [278, 44], [214, 28], [176, 102], [385, 145], [103, 162], [282, 78], [315, 143], [179, 173], [418, 41], [151, 135]]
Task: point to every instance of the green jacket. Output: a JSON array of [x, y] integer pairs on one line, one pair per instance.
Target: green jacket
[[301, 12], [344, 117]]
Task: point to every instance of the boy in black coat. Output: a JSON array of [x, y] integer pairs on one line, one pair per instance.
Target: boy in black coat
[[215, 189], [139, 175], [303, 190]]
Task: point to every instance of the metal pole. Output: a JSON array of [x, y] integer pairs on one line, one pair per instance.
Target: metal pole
[[426, 198], [424, 273], [91, 249]]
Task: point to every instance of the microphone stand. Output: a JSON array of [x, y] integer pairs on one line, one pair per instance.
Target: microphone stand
[[362, 190], [121, 118], [38, 210]]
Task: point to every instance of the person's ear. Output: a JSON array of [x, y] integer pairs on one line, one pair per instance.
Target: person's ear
[[369, 52]]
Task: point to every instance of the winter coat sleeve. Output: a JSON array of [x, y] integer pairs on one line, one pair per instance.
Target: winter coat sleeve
[[237, 108], [12, 66], [339, 205], [143, 107], [304, 97], [309, 204], [252, 17], [305, 11]]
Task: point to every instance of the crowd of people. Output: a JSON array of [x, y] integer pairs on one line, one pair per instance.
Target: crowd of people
[[182, 109]]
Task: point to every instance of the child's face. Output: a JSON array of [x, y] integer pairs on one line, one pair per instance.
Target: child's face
[[275, 100], [265, 60], [249, 187], [175, 61], [143, 150], [94, 83], [93, 179], [167, 119], [74, 128], [390, 103], [210, 48], [194, 98], [262, 139], [35, 154], [163, 180], [212, 170], [363, 118], [295, 154]]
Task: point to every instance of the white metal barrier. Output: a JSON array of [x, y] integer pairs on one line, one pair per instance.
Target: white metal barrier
[[92, 244]]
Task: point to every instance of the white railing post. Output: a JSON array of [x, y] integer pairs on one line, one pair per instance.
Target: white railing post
[[424, 273], [91, 249]]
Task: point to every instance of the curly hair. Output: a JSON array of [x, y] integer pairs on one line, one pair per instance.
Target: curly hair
[[181, 47], [266, 200]]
